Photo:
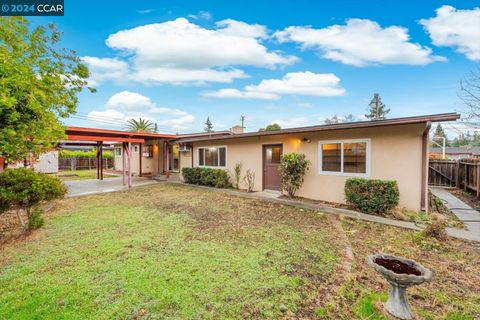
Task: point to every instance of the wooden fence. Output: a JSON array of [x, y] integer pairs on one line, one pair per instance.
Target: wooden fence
[[82, 163], [463, 174]]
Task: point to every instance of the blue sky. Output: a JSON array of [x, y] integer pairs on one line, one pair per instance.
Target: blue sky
[[292, 62]]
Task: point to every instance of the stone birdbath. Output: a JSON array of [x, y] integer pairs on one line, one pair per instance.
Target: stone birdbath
[[401, 273]]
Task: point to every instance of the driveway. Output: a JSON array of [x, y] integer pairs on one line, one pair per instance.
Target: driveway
[[87, 187]]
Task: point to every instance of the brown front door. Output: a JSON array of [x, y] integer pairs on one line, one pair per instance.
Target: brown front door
[[271, 164]]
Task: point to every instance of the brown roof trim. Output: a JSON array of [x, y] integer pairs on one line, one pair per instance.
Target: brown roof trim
[[114, 133], [203, 134], [338, 126]]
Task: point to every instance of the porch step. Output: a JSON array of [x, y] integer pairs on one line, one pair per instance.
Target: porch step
[[174, 176]]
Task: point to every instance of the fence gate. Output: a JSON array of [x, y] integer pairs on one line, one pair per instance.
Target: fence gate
[[463, 174]]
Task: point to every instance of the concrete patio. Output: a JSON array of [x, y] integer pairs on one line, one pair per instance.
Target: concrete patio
[[88, 187]]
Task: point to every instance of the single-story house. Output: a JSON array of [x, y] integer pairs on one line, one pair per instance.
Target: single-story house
[[392, 149], [456, 153]]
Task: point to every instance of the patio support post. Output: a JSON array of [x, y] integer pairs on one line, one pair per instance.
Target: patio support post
[[129, 160], [140, 160], [124, 148], [101, 160], [167, 154], [97, 164]]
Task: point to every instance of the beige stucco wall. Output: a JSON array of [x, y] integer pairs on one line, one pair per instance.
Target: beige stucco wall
[[396, 154], [150, 165]]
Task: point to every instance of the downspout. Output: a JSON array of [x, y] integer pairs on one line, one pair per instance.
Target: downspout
[[425, 140]]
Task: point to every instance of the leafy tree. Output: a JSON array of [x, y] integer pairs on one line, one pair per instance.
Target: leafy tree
[[292, 169], [335, 119], [271, 127], [349, 118], [39, 83], [470, 92], [208, 125], [332, 120], [466, 139], [377, 109], [140, 125], [24, 189]]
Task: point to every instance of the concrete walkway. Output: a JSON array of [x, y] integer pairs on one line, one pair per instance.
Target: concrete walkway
[[453, 232], [77, 188], [465, 213]]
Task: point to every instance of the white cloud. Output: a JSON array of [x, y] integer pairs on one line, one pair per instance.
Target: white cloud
[[127, 105], [294, 83], [360, 42], [103, 69], [145, 11], [129, 101], [181, 52], [204, 15], [235, 28], [454, 28]]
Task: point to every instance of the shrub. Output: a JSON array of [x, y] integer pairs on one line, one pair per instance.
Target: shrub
[[24, 189], [91, 154], [35, 220], [436, 229], [371, 195], [207, 177], [292, 169], [237, 175], [249, 180]]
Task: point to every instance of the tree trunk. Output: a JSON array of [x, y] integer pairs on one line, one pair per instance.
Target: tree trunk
[[20, 218]]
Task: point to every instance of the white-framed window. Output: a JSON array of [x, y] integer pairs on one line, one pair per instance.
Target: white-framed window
[[344, 157], [214, 157], [118, 151]]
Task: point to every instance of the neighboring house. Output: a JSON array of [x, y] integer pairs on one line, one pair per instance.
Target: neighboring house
[[47, 162], [392, 149], [456, 153]]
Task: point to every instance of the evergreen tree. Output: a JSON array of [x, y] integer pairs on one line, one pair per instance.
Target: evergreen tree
[[440, 133], [208, 125], [377, 109], [155, 128]]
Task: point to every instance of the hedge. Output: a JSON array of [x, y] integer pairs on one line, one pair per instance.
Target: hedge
[[372, 195], [92, 154], [207, 177]]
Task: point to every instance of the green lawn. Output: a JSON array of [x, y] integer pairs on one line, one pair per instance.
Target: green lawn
[[82, 174], [169, 252], [175, 252]]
